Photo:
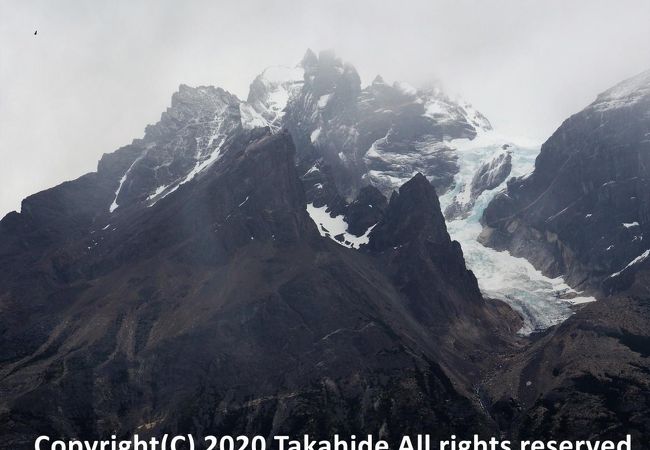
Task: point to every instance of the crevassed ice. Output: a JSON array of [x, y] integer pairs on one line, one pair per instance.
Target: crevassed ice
[[501, 275]]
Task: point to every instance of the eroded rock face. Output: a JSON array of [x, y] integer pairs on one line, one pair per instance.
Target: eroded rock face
[[584, 211]]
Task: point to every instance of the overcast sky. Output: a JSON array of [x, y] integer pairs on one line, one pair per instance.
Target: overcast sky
[[98, 72]]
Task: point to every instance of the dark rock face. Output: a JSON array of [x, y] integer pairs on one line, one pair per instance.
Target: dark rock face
[[588, 379], [403, 218], [488, 176], [584, 212], [412, 234], [215, 306], [365, 211]]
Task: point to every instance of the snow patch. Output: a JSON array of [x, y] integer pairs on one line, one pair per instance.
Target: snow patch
[[642, 257], [314, 135], [312, 169], [323, 100], [331, 227], [250, 118], [159, 190], [114, 205]]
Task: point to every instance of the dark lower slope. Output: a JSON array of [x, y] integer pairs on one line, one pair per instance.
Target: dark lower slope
[[220, 309], [587, 379]]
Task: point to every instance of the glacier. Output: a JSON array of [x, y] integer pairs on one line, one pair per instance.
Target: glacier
[[542, 301]]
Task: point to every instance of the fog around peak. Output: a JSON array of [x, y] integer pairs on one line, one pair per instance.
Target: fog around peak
[[96, 74]]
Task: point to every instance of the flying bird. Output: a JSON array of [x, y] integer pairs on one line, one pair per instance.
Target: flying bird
[[35, 32]]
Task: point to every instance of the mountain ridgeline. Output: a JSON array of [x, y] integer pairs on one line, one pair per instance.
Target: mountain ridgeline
[[281, 265]]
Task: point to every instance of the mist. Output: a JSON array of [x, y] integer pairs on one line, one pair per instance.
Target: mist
[[96, 74]]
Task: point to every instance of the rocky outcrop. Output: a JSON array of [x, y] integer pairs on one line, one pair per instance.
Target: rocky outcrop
[[583, 212], [489, 176]]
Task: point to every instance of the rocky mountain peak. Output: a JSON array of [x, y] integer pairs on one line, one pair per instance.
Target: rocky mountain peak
[[271, 90], [412, 215], [309, 59], [331, 76], [193, 105], [378, 80]]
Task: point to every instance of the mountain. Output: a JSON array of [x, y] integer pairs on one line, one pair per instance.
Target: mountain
[[348, 137], [184, 287], [584, 211], [282, 265], [582, 214]]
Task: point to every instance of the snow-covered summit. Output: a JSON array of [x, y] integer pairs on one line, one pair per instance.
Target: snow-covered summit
[[441, 109], [271, 90], [626, 93], [380, 134]]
